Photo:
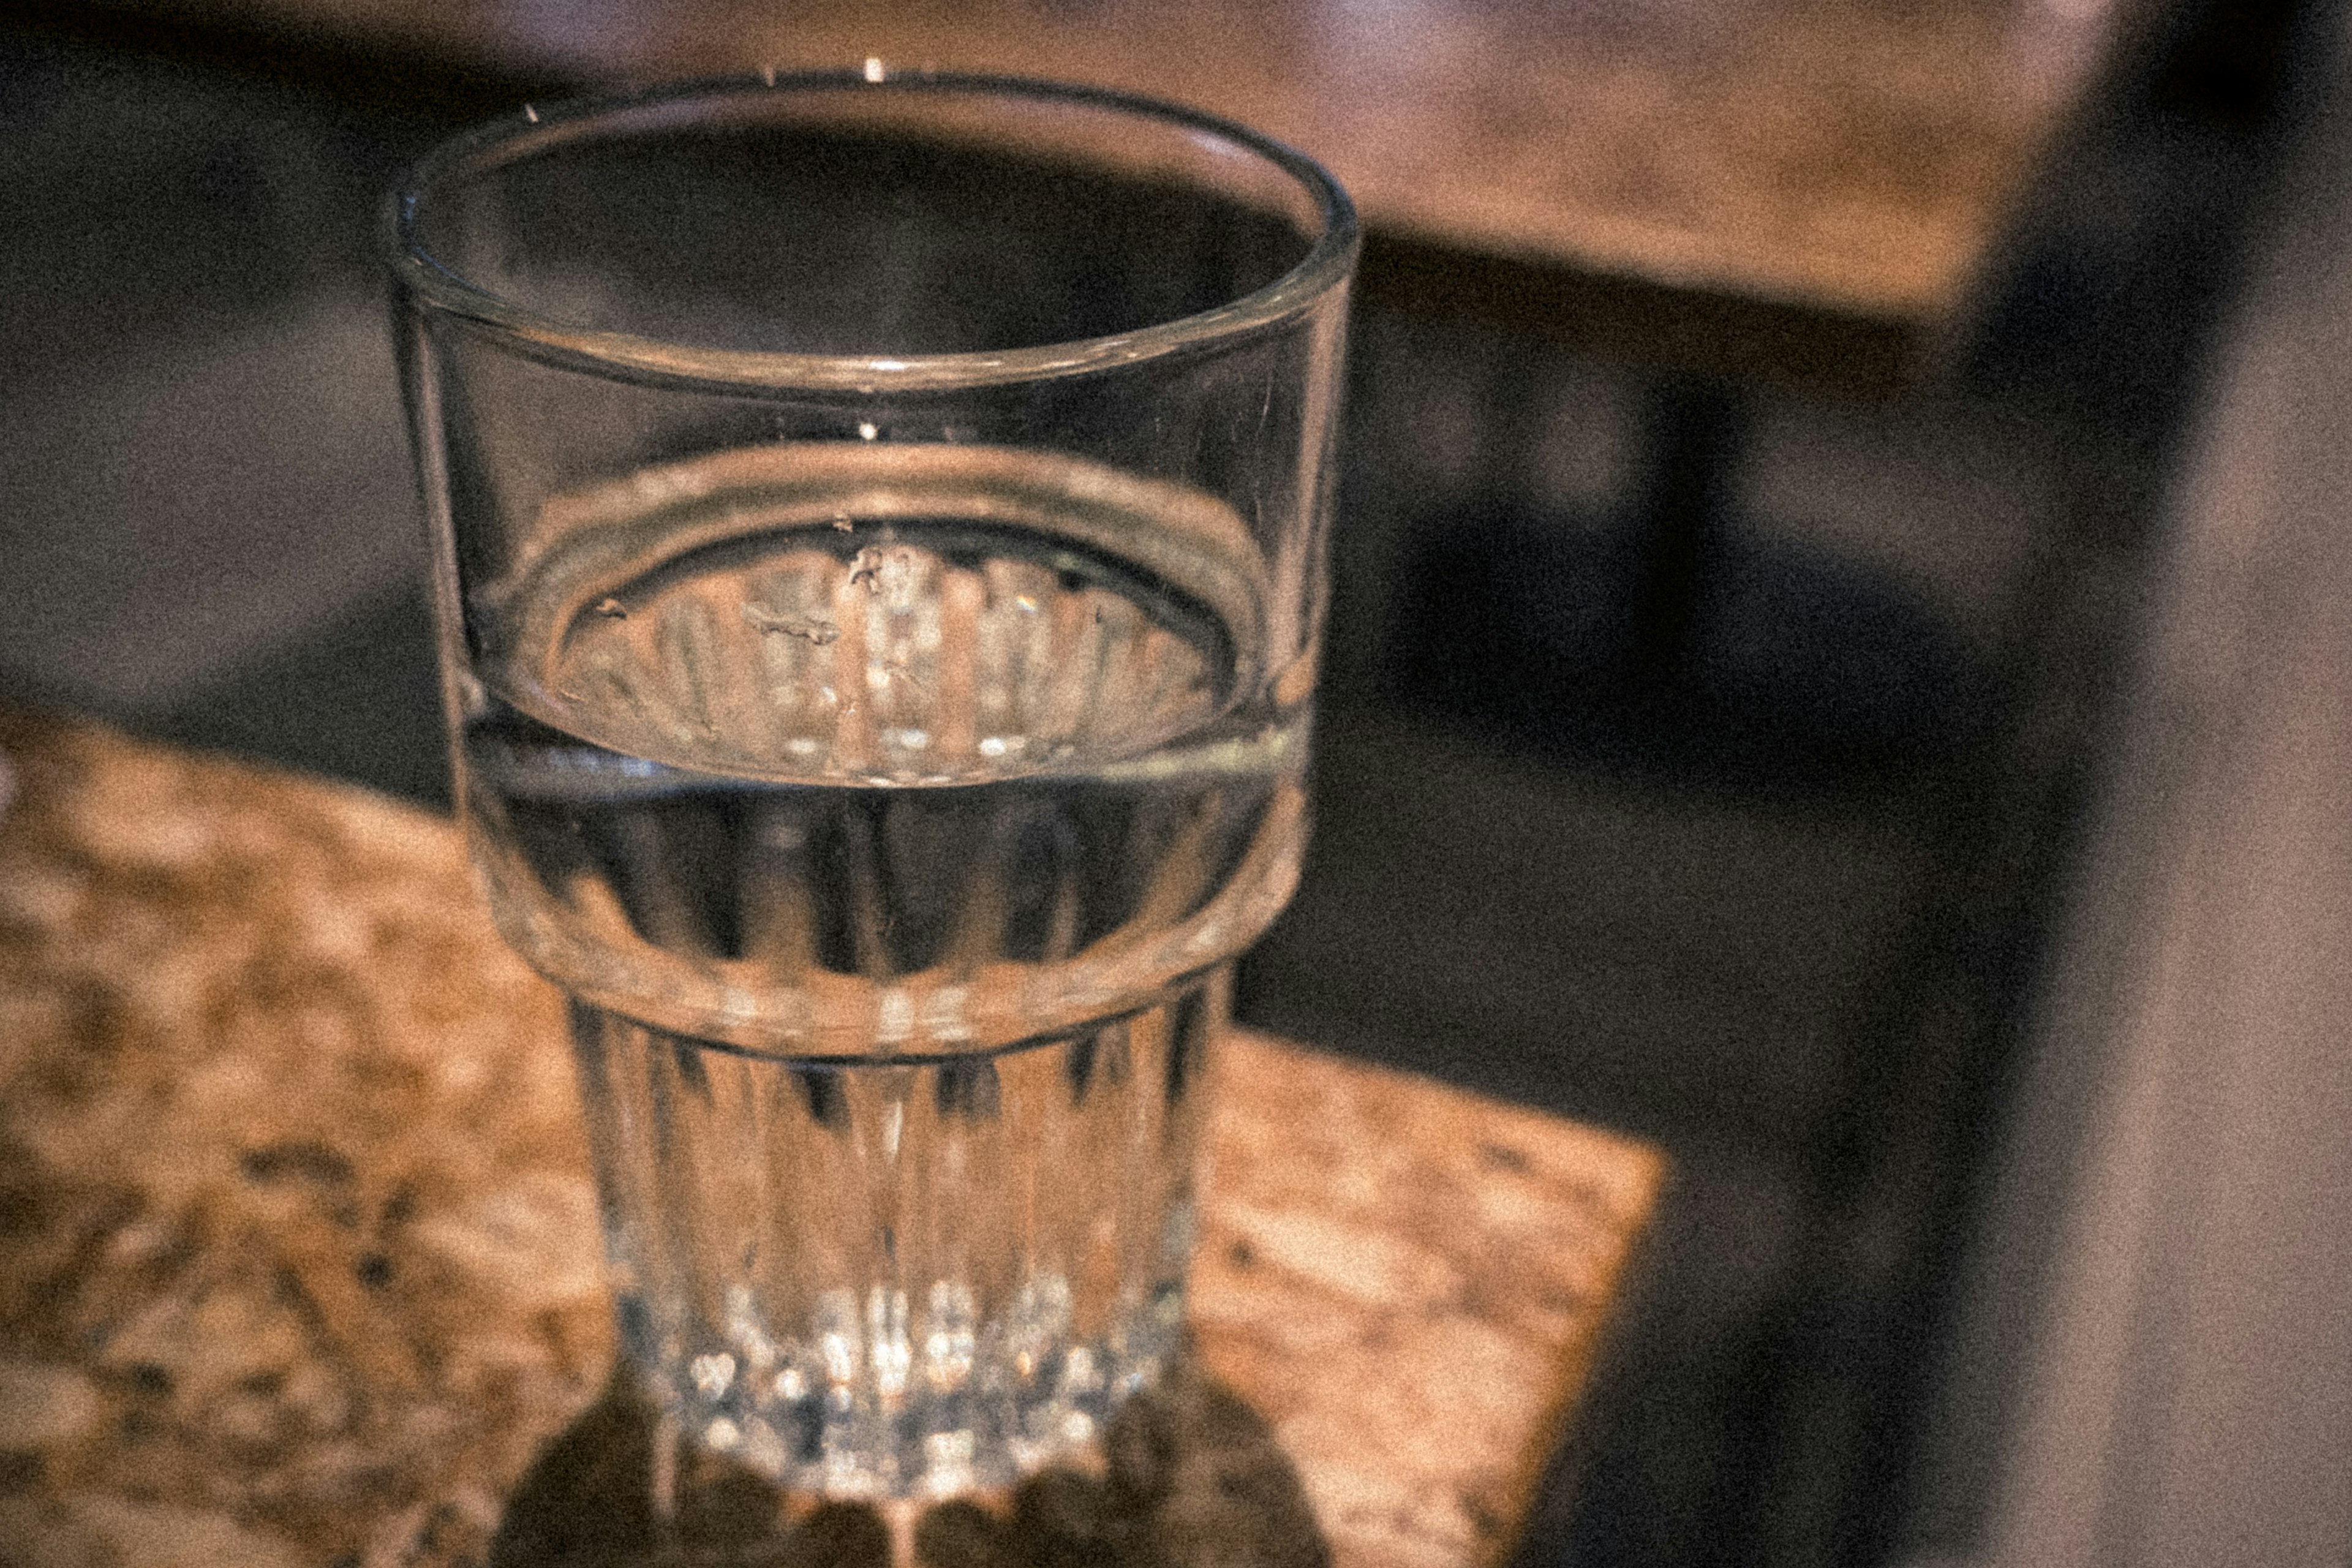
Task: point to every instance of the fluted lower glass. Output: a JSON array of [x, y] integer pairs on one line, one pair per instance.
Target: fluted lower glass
[[878, 529]]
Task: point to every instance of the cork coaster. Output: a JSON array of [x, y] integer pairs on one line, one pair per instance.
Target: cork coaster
[[299, 1263]]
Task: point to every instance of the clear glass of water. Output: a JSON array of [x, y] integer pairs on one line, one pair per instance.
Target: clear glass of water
[[877, 526]]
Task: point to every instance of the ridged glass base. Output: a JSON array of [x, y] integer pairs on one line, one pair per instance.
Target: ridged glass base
[[905, 1275]]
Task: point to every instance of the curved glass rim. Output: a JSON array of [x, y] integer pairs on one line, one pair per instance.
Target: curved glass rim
[[1326, 265]]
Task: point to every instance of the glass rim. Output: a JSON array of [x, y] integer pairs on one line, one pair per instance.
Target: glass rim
[[1325, 268]]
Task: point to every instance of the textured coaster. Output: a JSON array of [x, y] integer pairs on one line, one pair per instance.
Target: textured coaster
[[299, 1254]]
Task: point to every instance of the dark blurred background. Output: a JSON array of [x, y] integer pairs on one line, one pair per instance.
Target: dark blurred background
[[1700, 758]]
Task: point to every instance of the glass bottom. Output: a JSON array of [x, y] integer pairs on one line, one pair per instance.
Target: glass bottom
[[901, 1277], [1191, 1477]]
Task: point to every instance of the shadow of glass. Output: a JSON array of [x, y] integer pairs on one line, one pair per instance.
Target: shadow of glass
[[1191, 1478]]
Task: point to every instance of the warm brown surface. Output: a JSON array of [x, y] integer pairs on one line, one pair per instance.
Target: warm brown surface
[[1409, 1283], [297, 1227], [1858, 155], [298, 1255]]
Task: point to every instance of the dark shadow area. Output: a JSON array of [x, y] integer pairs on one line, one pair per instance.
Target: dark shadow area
[[357, 700], [1787, 672], [1191, 1478]]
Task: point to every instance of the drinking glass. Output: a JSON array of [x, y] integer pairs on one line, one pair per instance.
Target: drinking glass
[[878, 527]]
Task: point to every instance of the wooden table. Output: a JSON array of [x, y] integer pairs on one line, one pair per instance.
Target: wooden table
[[298, 1250], [1766, 187]]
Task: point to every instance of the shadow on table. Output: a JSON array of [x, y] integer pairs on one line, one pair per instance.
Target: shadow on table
[[1193, 1479]]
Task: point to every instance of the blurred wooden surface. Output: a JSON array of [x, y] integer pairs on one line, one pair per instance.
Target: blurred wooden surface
[[1838, 163], [297, 1248]]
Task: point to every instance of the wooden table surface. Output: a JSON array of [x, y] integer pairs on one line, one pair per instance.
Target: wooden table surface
[[1844, 160], [299, 1259]]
